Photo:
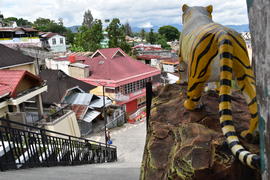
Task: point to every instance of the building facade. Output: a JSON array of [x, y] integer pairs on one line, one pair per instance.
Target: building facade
[[19, 37], [54, 42], [122, 78]]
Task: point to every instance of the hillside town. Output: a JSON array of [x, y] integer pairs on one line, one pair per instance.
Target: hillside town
[[71, 97]]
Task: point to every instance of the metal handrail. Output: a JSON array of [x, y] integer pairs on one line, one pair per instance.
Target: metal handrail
[[46, 130], [22, 148]]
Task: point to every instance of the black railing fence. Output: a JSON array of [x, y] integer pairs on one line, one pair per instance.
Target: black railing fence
[[22, 148]]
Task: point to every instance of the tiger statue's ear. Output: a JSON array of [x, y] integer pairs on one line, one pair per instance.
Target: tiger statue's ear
[[184, 7], [209, 8]]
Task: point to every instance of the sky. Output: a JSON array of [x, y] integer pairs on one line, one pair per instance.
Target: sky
[[139, 13]]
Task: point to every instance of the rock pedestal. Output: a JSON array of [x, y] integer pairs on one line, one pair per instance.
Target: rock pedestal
[[184, 144]]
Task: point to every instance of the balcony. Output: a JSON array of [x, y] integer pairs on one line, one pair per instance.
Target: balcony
[[23, 40]]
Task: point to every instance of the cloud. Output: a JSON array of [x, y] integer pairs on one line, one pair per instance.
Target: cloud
[[146, 25], [137, 13]]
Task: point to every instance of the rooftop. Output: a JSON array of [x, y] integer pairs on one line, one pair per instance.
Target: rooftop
[[49, 35], [172, 61], [11, 29], [10, 57], [104, 64], [10, 80], [58, 83]]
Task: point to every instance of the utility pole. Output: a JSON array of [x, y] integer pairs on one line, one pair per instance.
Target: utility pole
[[259, 16]]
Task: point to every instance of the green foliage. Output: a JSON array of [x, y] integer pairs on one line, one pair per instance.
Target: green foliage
[[88, 39], [47, 25], [162, 41], [128, 30], [88, 19], [20, 22], [170, 33], [151, 38], [116, 34], [70, 36], [142, 34]]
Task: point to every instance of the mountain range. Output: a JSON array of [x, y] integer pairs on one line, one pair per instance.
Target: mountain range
[[238, 28]]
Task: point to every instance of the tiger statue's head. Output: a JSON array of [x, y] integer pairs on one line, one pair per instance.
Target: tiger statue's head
[[190, 13]]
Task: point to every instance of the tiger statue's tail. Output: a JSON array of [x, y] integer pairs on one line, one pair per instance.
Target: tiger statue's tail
[[226, 52]]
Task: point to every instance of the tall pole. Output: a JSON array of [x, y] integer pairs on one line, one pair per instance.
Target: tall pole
[[105, 122], [259, 15]]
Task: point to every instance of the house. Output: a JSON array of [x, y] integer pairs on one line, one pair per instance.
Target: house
[[170, 65], [54, 42], [152, 60], [17, 87], [19, 37], [88, 109], [58, 83], [11, 59], [121, 77], [152, 54]]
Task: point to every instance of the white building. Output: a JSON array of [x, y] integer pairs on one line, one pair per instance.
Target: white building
[[170, 65], [62, 63], [53, 41]]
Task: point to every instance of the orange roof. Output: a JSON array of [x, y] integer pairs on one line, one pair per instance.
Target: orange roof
[[170, 61]]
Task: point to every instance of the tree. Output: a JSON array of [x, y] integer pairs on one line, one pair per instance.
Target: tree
[[162, 41], [88, 39], [42, 24], [20, 22], [47, 25], [151, 37], [128, 30], [70, 36], [142, 34], [116, 34], [87, 19], [171, 33]]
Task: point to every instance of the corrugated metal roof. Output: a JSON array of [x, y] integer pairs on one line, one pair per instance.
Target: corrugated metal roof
[[79, 98], [90, 115], [98, 103]]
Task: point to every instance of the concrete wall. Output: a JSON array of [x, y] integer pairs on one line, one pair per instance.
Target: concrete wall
[[99, 92], [78, 72], [3, 111], [27, 67], [168, 68], [66, 124], [55, 65]]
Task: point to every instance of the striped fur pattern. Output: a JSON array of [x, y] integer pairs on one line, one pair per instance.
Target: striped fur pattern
[[213, 53]]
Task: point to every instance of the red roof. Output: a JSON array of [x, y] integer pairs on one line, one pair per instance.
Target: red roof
[[77, 58], [148, 57], [4, 90], [49, 35], [115, 67], [79, 110], [12, 78], [108, 53]]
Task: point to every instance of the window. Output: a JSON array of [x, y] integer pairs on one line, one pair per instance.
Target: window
[[53, 41], [61, 41], [109, 90]]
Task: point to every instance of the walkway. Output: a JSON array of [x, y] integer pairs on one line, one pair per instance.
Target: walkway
[[129, 139]]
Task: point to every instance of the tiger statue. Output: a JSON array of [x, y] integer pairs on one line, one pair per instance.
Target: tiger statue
[[210, 52]]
